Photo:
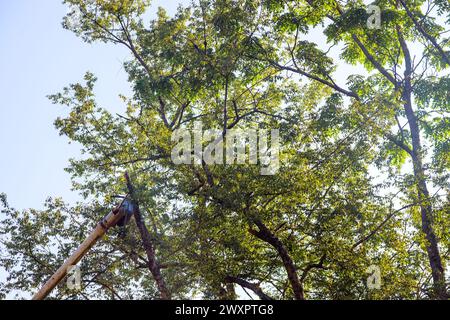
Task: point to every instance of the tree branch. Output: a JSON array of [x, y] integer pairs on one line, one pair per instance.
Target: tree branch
[[245, 284], [311, 266], [425, 34], [266, 235], [153, 265]]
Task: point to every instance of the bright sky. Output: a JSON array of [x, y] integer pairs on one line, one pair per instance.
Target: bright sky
[[37, 58]]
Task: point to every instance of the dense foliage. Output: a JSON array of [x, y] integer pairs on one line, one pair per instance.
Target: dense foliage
[[364, 171]]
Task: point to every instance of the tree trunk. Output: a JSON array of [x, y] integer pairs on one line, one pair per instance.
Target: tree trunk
[[426, 209], [153, 265]]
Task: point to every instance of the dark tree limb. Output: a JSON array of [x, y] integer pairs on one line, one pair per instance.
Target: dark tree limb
[[316, 78], [147, 242], [248, 285], [311, 266], [426, 209], [425, 34], [374, 62], [377, 65], [266, 235]]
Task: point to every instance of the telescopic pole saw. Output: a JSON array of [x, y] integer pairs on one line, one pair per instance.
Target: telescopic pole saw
[[102, 227]]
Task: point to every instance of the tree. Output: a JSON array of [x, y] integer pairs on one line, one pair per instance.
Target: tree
[[309, 231], [386, 53]]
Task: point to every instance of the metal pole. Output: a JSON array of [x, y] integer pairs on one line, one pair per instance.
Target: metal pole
[[102, 227]]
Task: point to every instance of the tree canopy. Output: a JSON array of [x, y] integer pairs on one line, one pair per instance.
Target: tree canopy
[[364, 159]]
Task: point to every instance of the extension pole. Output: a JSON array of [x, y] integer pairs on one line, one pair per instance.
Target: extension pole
[[102, 227]]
